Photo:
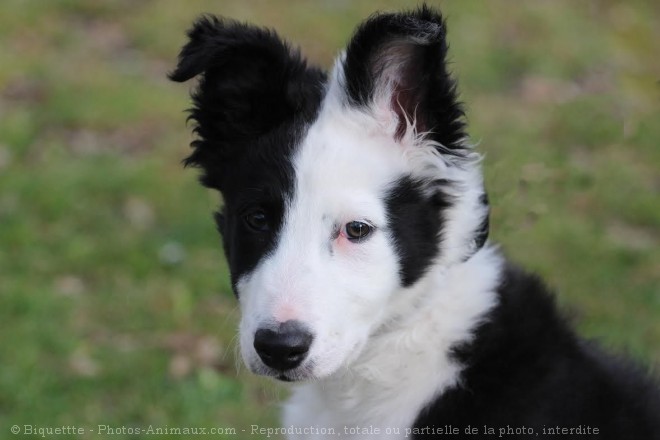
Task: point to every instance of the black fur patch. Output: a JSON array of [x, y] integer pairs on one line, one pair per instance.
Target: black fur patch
[[415, 223], [255, 99], [261, 179]]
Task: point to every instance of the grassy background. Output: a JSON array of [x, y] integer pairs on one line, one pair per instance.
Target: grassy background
[[115, 307]]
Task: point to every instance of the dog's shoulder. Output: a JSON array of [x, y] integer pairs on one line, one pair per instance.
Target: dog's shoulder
[[525, 367]]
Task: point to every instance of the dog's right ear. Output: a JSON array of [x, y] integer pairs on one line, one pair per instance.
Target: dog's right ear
[[251, 82]]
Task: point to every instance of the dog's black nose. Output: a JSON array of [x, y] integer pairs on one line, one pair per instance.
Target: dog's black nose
[[285, 347]]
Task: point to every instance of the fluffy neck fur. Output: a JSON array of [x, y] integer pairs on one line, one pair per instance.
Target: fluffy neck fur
[[407, 362]]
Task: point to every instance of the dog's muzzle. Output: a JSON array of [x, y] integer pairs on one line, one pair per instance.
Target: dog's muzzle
[[284, 347]]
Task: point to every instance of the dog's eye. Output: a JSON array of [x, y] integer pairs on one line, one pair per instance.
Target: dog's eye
[[356, 231], [257, 221]]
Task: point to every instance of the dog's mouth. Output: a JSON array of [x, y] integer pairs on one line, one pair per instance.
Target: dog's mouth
[[284, 378], [297, 375], [301, 373]]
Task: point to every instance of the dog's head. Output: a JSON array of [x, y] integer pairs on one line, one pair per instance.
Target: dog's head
[[340, 192]]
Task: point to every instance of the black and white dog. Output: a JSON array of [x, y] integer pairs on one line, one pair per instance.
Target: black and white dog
[[355, 224]]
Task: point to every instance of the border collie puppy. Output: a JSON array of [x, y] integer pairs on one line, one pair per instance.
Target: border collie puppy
[[355, 225]]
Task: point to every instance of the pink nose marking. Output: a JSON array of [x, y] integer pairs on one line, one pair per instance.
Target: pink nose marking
[[286, 312]]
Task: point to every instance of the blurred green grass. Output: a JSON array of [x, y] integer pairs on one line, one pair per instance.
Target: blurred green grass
[[115, 306]]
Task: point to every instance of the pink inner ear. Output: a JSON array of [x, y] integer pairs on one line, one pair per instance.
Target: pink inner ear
[[399, 69], [400, 102]]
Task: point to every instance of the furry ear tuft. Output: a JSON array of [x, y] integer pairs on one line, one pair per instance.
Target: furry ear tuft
[[251, 82], [399, 61]]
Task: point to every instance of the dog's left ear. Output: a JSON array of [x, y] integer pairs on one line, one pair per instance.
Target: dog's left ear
[[395, 66]]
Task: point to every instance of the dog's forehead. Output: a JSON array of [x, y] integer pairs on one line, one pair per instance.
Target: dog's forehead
[[339, 153]]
